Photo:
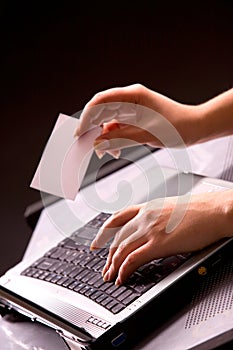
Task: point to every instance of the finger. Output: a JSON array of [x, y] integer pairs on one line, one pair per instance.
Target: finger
[[133, 261], [126, 231], [122, 137], [114, 153], [103, 236], [113, 103], [113, 97], [109, 260], [121, 253], [106, 128], [118, 94], [112, 225], [122, 234], [113, 124], [86, 119], [93, 116]]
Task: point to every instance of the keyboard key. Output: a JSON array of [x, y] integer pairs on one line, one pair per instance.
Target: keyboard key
[[58, 253], [37, 273], [85, 289], [43, 275], [70, 243], [56, 278], [92, 263], [73, 285], [111, 304], [51, 251], [99, 266], [46, 264], [143, 287], [62, 280], [124, 295], [99, 282], [81, 274], [75, 271], [68, 270], [111, 289], [118, 291], [96, 294], [62, 267], [117, 308], [49, 277], [94, 279], [172, 262], [68, 282], [79, 287], [106, 301], [106, 285], [130, 299], [101, 298], [87, 277], [29, 272], [90, 291], [56, 266], [86, 259]]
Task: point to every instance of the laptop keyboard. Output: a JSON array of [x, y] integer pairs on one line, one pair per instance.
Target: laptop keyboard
[[72, 265]]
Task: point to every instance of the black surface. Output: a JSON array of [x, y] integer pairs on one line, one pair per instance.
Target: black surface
[[56, 56]]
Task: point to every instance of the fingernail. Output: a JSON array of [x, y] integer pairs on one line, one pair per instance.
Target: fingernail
[[105, 269], [102, 146], [77, 132], [118, 281], [106, 277], [99, 153], [93, 246], [115, 153]]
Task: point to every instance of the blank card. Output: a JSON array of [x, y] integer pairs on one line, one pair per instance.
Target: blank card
[[65, 159]]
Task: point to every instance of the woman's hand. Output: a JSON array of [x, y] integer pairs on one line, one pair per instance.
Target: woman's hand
[[137, 115], [141, 233]]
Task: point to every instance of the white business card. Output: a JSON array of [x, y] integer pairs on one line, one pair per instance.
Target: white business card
[[65, 159]]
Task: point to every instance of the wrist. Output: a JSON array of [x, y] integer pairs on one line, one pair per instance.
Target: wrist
[[216, 116], [225, 210], [186, 119], [201, 124], [189, 123], [228, 206]]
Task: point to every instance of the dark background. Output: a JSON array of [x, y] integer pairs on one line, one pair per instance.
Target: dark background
[[54, 58]]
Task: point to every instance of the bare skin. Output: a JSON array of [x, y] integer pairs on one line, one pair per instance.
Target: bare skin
[[195, 124], [140, 231]]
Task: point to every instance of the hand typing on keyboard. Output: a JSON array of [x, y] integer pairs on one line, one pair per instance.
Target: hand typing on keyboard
[[162, 228]]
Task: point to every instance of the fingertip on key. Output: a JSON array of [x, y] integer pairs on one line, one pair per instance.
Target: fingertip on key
[[118, 282], [92, 248]]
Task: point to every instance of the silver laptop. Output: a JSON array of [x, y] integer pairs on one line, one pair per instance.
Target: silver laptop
[[61, 286]]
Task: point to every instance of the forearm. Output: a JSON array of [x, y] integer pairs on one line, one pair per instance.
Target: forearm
[[196, 123], [217, 116]]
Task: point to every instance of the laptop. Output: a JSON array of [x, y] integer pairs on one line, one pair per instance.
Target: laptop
[[60, 285]]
